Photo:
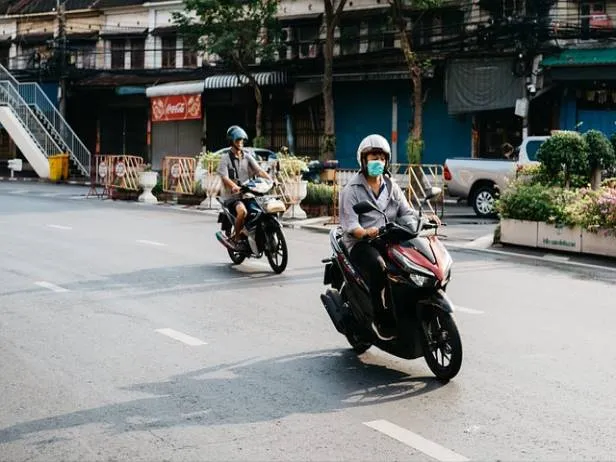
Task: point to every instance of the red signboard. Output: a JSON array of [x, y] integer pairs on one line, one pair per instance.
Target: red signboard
[[176, 107]]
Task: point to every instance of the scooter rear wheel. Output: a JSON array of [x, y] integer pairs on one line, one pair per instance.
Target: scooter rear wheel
[[442, 344]]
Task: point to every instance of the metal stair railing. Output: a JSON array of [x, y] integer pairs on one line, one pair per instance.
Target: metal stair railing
[[10, 97], [32, 93]]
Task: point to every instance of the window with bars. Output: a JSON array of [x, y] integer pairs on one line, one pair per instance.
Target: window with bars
[[189, 58], [117, 53], [168, 51], [137, 53], [84, 56]]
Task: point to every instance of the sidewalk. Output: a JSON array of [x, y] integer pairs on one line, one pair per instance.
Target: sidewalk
[[463, 232]]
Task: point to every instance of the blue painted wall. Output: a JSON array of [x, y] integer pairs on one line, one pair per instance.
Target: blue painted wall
[[51, 90], [362, 108], [568, 111], [570, 115]]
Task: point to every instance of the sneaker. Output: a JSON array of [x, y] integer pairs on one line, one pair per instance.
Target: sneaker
[[383, 332]]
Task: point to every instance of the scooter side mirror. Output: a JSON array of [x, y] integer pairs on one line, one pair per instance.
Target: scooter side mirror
[[432, 192], [364, 207]]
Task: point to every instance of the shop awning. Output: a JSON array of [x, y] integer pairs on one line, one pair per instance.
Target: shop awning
[[584, 57], [111, 33], [232, 81], [165, 31], [176, 88], [38, 38]]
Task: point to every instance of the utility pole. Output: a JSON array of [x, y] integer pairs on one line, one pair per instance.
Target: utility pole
[[61, 44]]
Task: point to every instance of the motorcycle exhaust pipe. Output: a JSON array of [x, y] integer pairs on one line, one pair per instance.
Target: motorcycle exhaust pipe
[[334, 310], [224, 240]]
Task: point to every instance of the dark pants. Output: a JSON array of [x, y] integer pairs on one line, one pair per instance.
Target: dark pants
[[369, 263]]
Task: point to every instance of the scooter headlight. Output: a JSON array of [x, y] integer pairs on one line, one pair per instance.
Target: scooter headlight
[[420, 281], [420, 276]]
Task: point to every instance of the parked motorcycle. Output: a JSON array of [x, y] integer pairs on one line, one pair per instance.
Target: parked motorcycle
[[418, 269], [262, 231]]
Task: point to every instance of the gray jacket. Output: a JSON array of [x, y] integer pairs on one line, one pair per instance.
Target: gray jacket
[[358, 190]]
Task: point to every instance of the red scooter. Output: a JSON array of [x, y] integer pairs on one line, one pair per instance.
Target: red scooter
[[418, 269]]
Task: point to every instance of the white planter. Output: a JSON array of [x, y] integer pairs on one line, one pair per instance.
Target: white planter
[[598, 243], [558, 237], [297, 191], [519, 232], [147, 180], [212, 185]]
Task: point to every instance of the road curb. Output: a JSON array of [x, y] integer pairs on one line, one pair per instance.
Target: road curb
[[551, 259]]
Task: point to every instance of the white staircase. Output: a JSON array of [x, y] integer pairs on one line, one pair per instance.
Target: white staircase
[[26, 112]]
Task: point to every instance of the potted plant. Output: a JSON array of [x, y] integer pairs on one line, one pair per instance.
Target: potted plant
[[210, 181], [296, 189], [147, 180]]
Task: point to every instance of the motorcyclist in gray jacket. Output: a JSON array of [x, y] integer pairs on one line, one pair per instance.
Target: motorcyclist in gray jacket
[[373, 184]]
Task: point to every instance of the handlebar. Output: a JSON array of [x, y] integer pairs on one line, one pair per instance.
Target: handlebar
[[424, 225]]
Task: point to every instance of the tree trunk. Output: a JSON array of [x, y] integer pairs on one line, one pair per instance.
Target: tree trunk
[[595, 179], [417, 131], [418, 180], [258, 114], [327, 145]]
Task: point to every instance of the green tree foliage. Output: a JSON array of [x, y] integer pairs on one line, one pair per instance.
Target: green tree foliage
[[565, 153], [237, 32]]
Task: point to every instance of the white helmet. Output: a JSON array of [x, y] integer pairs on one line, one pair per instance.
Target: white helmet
[[373, 143]]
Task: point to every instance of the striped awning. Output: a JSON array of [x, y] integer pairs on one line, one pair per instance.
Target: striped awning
[[232, 81]]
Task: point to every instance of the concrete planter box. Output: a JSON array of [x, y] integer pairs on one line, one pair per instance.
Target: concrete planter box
[[519, 232], [598, 243], [559, 237]]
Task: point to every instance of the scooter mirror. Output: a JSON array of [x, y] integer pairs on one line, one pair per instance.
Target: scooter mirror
[[432, 192], [364, 207]]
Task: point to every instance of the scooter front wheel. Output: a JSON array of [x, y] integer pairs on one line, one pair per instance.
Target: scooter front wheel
[[358, 345], [236, 257], [277, 252], [442, 344]]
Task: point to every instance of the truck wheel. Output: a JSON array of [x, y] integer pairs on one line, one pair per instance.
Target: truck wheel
[[483, 201]]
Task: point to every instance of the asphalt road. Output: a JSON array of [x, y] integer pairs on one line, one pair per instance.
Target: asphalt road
[[125, 334]]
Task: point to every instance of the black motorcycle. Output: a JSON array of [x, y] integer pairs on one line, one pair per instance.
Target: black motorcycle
[[418, 269], [263, 232]]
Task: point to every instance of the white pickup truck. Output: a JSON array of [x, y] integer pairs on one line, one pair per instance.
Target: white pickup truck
[[480, 180]]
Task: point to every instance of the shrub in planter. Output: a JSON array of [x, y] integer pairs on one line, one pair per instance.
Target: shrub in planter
[[292, 166], [600, 155], [564, 155], [207, 159], [532, 202]]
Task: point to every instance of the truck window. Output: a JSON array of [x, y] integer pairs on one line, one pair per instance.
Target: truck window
[[531, 149]]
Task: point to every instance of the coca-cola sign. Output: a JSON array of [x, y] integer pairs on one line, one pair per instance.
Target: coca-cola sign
[[176, 107]]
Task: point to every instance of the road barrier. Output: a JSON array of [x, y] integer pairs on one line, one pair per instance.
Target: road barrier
[[116, 172], [179, 174]]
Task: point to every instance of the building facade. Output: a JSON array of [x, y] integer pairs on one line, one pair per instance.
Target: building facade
[[498, 70]]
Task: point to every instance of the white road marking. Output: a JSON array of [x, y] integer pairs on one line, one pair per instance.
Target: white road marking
[[59, 227], [51, 194], [415, 441], [18, 191], [187, 339], [463, 309], [144, 241], [50, 286]]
